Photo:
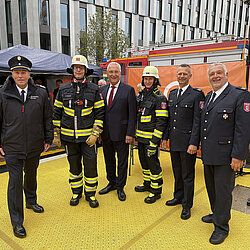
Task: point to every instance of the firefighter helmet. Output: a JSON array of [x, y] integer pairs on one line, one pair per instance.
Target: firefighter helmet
[[150, 71], [79, 59]]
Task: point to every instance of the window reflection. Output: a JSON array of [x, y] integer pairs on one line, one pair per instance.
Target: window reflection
[[44, 12], [83, 17], [64, 16], [22, 12]]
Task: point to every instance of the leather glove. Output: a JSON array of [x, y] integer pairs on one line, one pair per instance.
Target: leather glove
[[96, 131], [57, 140], [152, 149], [91, 140]]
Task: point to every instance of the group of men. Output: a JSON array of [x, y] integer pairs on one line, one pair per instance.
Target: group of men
[[83, 112]]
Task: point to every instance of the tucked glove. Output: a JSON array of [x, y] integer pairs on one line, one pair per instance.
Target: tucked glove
[[91, 140], [57, 140], [152, 148]]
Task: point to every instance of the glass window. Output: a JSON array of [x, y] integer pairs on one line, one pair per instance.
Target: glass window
[[152, 32], [213, 22], [198, 3], [44, 12], [147, 8], [228, 9], [158, 9], [128, 28], [22, 12], [65, 45], [163, 33], [134, 6], [45, 41], [169, 12], [107, 3], [173, 32], [83, 18], [191, 33], [121, 4], [197, 18], [24, 38], [140, 37], [64, 16], [91, 1], [8, 14], [179, 14], [183, 33]]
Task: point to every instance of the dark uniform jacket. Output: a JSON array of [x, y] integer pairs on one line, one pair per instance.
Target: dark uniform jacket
[[184, 114], [25, 127], [152, 116], [120, 119], [225, 127], [77, 108]]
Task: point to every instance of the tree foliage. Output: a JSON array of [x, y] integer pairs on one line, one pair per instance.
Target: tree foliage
[[103, 38]]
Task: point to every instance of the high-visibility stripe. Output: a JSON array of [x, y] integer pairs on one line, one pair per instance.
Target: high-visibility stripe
[[58, 104], [157, 133], [56, 123], [156, 177], [72, 176], [99, 104], [65, 131], [76, 184], [91, 180], [161, 113], [98, 123], [146, 118], [144, 134], [83, 132], [89, 189], [155, 185], [68, 111], [87, 111]]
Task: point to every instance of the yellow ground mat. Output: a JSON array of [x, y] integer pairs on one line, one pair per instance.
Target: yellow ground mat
[[132, 224]]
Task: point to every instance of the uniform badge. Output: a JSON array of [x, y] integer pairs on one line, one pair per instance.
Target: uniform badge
[[19, 58], [163, 105], [225, 116], [246, 107], [201, 104]]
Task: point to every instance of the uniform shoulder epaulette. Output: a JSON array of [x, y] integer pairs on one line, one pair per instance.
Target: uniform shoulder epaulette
[[93, 85], [197, 89], [241, 88], [41, 86]]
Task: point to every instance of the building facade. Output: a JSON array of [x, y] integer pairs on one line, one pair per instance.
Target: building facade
[[55, 24]]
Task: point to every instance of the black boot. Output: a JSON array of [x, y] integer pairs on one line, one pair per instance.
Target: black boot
[[75, 199]]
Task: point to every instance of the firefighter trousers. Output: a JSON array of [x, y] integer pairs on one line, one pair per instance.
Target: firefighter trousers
[[78, 154]]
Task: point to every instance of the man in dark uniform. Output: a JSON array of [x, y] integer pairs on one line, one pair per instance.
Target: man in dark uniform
[[185, 104], [118, 129], [225, 135], [26, 131], [152, 117], [78, 114]]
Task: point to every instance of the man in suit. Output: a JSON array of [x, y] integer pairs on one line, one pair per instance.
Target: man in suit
[[118, 129], [225, 134], [185, 104]]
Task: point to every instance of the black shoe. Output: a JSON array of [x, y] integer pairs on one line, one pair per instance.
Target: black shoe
[[173, 202], [186, 213], [142, 188], [121, 195], [19, 231], [92, 201], [35, 207], [75, 199], [107, 189], [207, 218], [217, 238], [152, 198]]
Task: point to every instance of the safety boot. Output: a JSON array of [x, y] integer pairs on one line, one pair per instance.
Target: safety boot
[[152, 198], [142, 188], [75, 199], [92, 201]]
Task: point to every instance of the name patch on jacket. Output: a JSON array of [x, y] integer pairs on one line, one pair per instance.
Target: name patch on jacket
[[34, 97], [247, 107]]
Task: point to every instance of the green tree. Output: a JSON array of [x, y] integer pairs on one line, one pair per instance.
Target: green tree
[[103, 38]]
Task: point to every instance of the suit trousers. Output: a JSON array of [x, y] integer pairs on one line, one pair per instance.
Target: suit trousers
[[183, 165], [220, 180], [122, 150], [15, 186]]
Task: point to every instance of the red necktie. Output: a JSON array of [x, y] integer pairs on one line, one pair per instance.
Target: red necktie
[[111, 96]]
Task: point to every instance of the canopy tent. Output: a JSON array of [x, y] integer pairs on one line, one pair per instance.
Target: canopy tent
[[43, 61]]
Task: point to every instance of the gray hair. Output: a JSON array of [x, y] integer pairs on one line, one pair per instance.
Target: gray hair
[[184, 65], [217, 64], [115, 63]]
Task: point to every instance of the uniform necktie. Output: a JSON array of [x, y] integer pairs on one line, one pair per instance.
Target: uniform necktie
[[111, 96], [179, 94], [212, 99], [22, 95]]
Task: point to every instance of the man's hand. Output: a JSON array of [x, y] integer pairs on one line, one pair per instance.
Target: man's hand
[[236, 164], [192, 149], [164, 144], [2, 154], [91, 140], [128, 139], [46, 147]]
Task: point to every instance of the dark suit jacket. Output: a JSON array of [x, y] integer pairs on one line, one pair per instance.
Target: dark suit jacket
[[225, 127], [184, 114], [120, 119]]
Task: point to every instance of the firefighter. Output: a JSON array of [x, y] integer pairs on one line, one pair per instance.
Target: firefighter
[[78, 118], [152, 118]]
